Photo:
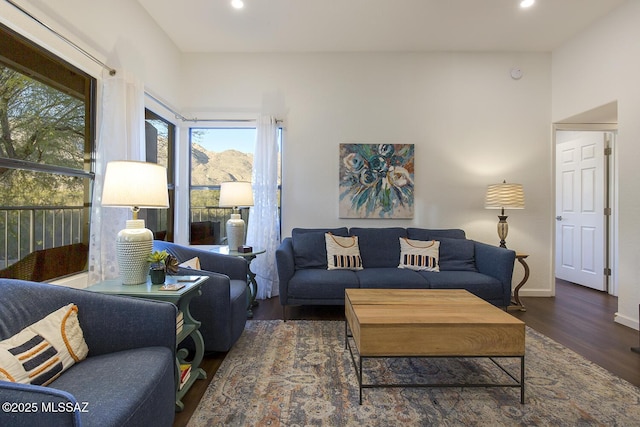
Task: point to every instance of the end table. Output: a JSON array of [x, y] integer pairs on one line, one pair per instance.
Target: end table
[[181, 298], [516, 303], [251, 276]]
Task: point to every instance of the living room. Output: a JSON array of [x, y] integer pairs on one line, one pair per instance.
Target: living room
[[472, 123]]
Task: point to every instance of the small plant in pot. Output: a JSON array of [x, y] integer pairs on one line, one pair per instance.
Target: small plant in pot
[[157, 269]]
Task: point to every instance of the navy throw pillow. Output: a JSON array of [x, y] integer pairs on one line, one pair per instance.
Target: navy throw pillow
[[309, 246], [457, 255]]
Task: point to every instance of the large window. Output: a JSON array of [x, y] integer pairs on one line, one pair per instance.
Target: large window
[[159, 144], [217, 155], [46, 146]]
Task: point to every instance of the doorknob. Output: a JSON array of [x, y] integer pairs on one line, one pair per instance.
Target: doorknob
[[559, 218]]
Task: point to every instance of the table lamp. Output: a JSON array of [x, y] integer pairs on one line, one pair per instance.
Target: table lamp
[[235, 194], [501, 196], [134, 185]]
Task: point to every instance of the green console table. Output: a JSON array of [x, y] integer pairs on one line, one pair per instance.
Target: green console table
[[181, 298]]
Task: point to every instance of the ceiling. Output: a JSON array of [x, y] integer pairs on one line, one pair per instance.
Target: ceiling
[[373, 25]]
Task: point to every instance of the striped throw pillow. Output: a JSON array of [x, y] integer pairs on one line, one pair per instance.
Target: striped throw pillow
[[42, 351], [419, 255], [343, 253]]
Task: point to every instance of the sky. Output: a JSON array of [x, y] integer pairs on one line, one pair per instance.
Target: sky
[[221, 139]]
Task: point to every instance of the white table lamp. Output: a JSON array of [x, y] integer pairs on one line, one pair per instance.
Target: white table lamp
[[134, 185], [501, 196], [235, 194]]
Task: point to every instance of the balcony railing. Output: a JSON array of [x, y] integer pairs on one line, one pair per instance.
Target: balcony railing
[[216, 214], [25, 229]]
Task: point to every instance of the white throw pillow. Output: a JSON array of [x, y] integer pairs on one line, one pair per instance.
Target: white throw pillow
[[343, 253], [42, 351], [193, 263], [419, 255]]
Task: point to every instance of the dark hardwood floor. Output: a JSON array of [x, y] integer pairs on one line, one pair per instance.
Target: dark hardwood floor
[[577, 317]]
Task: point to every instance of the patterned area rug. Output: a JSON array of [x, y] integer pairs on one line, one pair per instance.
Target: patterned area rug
[[298, 373]]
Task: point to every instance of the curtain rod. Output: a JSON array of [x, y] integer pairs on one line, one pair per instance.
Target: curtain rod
[[112, 71], [195, 119]]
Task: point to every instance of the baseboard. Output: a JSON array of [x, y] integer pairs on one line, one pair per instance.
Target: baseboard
[[627, 321], [535, 293], [77, 281]]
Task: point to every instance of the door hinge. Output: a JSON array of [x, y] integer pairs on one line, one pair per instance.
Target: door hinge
[[607, 211], [607, 271], [607, 151]]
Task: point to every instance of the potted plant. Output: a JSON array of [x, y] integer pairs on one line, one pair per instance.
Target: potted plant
[[157, 269]]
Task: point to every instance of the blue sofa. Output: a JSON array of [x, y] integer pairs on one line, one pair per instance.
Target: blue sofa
[[128, 377], [222, 307], [482, 269]]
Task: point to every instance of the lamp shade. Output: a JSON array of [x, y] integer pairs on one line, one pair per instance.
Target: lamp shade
[[235, 194], [501, 196], [135, 184]]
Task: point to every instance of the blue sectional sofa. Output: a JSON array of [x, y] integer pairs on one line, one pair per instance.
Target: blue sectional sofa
[[482, 269], [128, 377]]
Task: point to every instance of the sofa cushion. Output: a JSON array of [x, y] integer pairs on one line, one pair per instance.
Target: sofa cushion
[[309, 247], [44, 350], [419, 254], [481, 285], [321, 284], [343, 253], [428, 234], [379, 247], [127, 387], [457, 255], [384, 278]]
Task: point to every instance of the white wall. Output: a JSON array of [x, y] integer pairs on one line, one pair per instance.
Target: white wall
[[471, 123], [117, 32], [599, 66]]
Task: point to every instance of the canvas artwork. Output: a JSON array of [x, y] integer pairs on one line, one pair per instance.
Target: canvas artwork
[[376, 180]]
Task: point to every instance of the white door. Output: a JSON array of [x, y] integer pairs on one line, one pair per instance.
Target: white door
[[580, 203]]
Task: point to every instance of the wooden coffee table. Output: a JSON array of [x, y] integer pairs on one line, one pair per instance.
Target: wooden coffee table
[[430, 323]]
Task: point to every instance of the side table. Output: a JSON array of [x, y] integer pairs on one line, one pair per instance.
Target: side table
[[516, 303], [181, 298], [251, 276]]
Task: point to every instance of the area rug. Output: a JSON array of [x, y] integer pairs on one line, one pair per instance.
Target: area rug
[[298, 373]]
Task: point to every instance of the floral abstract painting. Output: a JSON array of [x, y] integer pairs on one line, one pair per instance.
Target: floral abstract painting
[[376, 180]]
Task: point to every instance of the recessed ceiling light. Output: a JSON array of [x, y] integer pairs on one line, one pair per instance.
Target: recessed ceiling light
[[237, 4], [527, 3]]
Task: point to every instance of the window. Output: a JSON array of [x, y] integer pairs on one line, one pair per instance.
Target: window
[[159, 144], [217, 155], [46, 158]]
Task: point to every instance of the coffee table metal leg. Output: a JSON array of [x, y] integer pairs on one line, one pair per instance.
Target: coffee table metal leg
[[360, 379], [522, 380]]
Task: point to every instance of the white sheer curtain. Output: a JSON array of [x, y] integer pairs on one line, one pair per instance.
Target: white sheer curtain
[[120, 137], [264, 222]]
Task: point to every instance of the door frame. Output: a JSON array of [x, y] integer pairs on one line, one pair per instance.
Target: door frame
[[611, 194]]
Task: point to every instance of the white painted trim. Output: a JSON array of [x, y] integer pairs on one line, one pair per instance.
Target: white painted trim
[[77, 281], [627, 321]]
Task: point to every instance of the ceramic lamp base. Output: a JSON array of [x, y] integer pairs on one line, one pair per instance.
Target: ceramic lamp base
[[133, 246], [235, 232]]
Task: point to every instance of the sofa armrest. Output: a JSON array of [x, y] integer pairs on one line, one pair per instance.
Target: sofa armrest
[[285, 262], [234, 267], [113, 323], [32, 405], [496, 262]]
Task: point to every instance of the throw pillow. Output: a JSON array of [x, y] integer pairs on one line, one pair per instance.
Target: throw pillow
[[193, 263], [42, 351], [419, 255], [309, 248], [457, 255], [343, 253]]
